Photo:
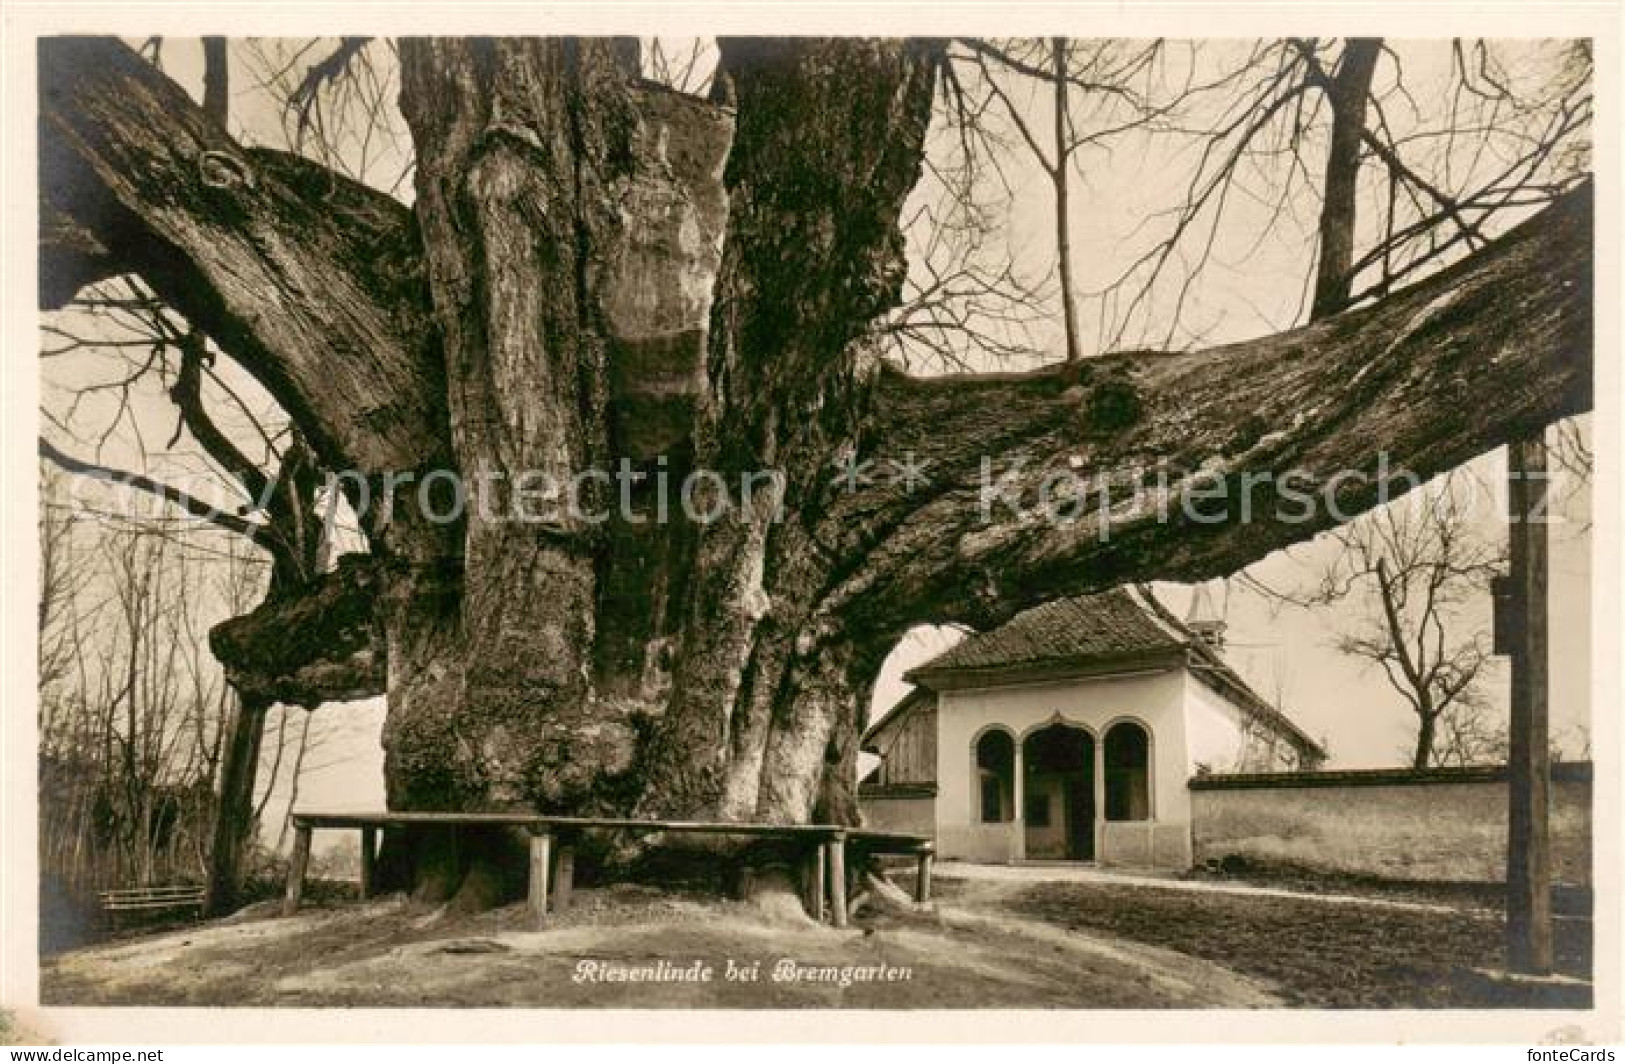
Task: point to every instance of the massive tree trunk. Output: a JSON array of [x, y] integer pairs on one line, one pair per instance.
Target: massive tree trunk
[[605, 277]]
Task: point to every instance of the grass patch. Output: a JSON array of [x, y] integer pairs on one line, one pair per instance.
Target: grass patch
[[1317, 954]]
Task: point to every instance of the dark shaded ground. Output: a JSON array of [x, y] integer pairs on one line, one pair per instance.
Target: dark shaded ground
[[1567, 900], [1317, 954]]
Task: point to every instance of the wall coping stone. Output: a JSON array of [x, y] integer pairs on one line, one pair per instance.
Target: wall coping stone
[[1562, 772]]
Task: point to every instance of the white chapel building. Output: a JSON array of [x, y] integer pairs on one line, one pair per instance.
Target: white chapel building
[[1070, 734]]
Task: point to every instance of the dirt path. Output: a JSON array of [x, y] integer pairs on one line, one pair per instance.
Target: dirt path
[[1071, 872], [970, 953]]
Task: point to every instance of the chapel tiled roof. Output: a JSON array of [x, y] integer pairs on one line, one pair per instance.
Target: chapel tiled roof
[[1122, 625], [1109, 624]]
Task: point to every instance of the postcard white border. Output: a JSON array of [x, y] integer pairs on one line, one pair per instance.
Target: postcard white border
[[23, 23]]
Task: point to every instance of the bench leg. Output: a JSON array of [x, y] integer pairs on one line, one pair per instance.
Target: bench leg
[[922, 878], [815, 883], [369, 861], [564, 876], [296, 870], [541, 855], [836, 849]]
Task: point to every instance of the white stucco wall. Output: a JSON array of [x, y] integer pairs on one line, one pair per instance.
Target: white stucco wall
[[1217, 736], [1157, 701], [1214, 734]]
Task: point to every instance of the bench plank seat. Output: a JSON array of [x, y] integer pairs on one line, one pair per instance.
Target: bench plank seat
[[542, 822], [552, 856], [139, 893], [151, 899]]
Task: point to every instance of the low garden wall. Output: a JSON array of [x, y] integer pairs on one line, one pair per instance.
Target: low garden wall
[[906, 807], [1428, 824]]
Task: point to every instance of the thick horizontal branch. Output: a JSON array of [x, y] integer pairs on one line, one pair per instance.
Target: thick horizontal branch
[[322, 644], [312, 281], [1075, 478]]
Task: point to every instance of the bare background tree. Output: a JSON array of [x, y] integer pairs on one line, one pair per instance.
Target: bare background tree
[[1324, 138], [132, 702], [117, 361], [1404, 575]]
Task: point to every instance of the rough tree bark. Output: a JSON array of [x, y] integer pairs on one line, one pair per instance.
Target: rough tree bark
[[600, 273], [1060, 177], [1348, 91], [234, 820]]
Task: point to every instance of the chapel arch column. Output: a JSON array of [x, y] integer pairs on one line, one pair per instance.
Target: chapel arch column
[[1018, 798]]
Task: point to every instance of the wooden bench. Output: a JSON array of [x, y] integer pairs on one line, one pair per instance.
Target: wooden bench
[[553, 839], [151, 899]]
